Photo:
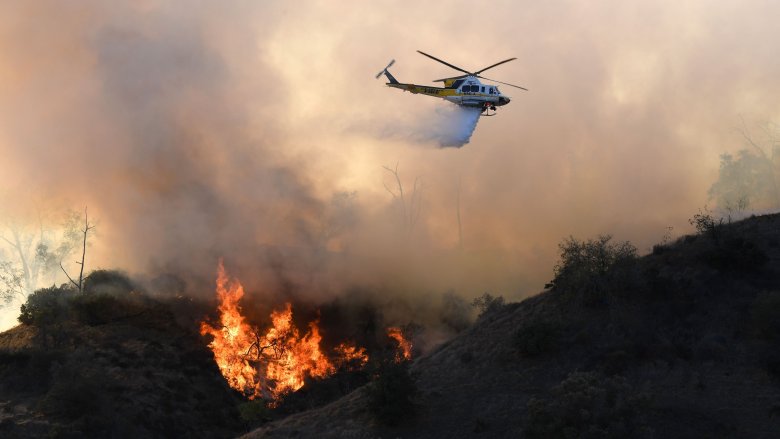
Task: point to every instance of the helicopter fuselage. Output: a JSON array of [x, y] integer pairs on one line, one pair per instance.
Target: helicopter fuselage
[[464, 90], [467, 92]]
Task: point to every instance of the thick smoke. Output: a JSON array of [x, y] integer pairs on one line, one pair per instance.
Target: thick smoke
[[256, 132]]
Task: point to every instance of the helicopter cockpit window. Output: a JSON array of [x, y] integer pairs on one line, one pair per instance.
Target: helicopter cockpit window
[[491, 90]]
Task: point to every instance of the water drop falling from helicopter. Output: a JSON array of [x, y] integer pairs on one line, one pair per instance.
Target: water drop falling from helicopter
[[455, 125]]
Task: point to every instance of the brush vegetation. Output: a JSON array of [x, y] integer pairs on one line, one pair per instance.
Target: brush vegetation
[[682, 342], [109, 362]]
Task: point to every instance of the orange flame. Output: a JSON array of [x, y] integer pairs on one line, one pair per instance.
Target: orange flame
[[293, 358], [273, 363], [404, 352], [351, 356], [233, 340]]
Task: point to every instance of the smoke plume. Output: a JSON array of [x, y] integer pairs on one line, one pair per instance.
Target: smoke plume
[[256, 132]]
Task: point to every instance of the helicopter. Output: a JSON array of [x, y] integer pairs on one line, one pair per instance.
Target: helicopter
[[465, 90]]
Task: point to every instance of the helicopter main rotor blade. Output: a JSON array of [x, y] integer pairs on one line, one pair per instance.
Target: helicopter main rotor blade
[[444, 62], [494, 65], [505, 83], [453, 77]]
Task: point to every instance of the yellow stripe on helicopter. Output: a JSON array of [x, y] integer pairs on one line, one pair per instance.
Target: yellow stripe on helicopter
[[464, 90]]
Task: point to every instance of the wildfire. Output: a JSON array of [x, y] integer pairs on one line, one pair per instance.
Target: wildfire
[[404, 352], [292, 357], [272, 363], [351, 356], [234, 339], [278, 360]]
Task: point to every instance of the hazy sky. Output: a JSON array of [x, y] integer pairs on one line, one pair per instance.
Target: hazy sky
[[194, 130]]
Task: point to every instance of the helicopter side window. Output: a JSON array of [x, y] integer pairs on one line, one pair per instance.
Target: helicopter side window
[[491, 90], [483, 89], [466, 88], [475, 88]]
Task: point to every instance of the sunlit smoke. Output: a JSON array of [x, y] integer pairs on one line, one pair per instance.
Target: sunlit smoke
[[223, 130]]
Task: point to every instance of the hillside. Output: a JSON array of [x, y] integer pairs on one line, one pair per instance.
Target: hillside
[[683, 342], [113, 364]]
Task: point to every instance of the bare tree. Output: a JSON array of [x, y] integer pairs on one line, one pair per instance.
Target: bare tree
[[12, 288], [87, 228], [411, 206]]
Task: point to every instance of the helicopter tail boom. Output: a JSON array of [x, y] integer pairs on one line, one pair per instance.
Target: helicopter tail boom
[[387, 73]]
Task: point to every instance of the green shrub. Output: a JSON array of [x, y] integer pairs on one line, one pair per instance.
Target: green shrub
[[97, 309], [109, 282], [587, 405], [390, 395], [592, 269], [707, 225], [46, 306]]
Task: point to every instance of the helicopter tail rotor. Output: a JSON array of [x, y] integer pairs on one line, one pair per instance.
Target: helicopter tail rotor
[[385, 72]]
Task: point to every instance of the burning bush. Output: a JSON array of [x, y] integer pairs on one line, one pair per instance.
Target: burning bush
[[288, 368], [404, 351], [269, 364]]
